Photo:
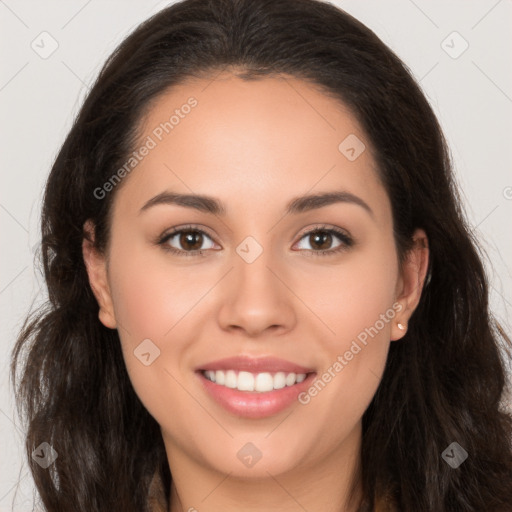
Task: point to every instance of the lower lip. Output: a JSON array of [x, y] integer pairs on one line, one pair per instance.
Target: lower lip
[[255, 405]]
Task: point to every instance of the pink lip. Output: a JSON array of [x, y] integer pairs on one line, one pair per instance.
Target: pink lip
[[255, 365], [251, 404]]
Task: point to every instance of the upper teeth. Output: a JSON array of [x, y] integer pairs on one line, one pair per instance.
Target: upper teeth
[[260, 382]]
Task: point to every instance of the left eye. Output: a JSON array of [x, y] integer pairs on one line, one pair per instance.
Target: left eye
[[321, 240]]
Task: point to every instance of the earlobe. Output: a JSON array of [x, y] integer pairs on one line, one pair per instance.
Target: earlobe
[[411, 282], [96, 266]]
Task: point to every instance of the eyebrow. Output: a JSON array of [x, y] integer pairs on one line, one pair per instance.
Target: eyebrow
[[208, 204]]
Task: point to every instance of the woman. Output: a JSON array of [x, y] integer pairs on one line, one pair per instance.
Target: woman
[[262, 292]]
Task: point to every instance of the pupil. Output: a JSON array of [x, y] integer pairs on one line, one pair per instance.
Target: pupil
[[320, 239], [187, 239]]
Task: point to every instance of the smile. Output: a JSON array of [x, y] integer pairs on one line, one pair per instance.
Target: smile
[[256, 382]]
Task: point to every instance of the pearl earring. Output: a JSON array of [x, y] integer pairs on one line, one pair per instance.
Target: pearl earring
[[401, 326]]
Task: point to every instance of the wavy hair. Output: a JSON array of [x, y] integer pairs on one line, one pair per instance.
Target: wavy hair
[[444, 382]]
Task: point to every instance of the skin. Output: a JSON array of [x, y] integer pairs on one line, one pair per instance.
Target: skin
[[255, 146]]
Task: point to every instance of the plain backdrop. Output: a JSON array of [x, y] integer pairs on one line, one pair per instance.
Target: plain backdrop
[[459, 51]]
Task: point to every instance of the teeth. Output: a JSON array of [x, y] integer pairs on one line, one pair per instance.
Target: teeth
[[230, 379], [245, 381], [290, 379], [280, 380], [259, 382], [220, 377]]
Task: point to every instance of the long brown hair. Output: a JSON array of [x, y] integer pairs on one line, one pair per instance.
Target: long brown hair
[[443, 383]]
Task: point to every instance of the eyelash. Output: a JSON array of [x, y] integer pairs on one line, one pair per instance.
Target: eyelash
[[347, 241]]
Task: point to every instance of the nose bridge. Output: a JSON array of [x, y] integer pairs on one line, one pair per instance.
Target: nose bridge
[[254, 280], [256, 299], [252, 265]]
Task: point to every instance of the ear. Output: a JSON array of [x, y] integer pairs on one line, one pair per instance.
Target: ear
[[410, 283], [96, 265]]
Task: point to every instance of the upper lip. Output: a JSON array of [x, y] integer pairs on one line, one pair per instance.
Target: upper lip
[[255, 365]]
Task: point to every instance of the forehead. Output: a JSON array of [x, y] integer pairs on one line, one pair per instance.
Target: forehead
[[264, 140]]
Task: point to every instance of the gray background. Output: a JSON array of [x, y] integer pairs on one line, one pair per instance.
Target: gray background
[[471, 93]]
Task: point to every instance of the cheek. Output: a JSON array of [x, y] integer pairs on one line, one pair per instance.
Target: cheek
[[150, 293], [358, 309], [162, 299], [150, 298], [352, 296]]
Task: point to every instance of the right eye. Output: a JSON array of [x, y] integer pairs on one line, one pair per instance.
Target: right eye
[[190, 239]]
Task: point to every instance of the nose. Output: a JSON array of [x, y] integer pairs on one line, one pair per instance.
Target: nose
[[256, 298]]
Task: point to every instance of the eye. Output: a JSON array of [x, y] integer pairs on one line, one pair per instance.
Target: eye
[[189, 240], [321, 240]]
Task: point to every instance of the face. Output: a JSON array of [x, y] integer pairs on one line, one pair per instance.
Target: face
[[255, 272]]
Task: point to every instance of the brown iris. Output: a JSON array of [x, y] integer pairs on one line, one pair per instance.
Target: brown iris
[[192, 240], [322, 240]]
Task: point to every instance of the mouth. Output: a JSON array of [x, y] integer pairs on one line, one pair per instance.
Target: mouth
[[254, 388]]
